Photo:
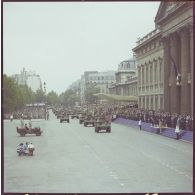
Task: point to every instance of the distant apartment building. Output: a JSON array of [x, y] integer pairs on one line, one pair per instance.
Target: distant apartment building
[[29, 78], [102, 80]]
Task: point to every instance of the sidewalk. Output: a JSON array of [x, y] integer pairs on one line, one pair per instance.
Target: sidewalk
[[168, 132]]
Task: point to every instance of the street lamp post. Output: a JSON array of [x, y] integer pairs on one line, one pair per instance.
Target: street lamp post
[[45, 100]]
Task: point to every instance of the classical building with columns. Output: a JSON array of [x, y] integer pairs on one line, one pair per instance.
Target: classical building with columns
[[149, 55], [175, 20], [171, 63]]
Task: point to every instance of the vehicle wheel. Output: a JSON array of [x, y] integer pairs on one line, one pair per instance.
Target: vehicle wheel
[[68, 121], [22, 134]]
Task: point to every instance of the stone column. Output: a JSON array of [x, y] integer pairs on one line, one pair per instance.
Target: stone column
[[158, 73], [174, 91], [154, 102], [159, 106], [145, 77], [142, 101], [153, 77], [145, 101], [166, 69], [191, 69], [141, 82], [185, 63], [151, 102], [139, 76], [149, 83]]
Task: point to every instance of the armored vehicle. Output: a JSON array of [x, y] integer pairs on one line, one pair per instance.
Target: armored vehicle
[[64, 118], [74, 116], [23, 131], [89, 120], [81, 118], [102, 125]]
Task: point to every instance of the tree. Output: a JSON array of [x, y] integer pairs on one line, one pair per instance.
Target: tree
[[52, 98], [15, 96], [68, 98], [91, 89], [9, 94], [40, 95]]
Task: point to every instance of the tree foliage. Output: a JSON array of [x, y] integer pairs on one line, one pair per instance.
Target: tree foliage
[[68, 98], [15, 96], [52, 98], [40, 95], [90, 90]]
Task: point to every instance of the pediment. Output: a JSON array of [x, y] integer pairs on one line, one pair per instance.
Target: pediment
[[166, 8]]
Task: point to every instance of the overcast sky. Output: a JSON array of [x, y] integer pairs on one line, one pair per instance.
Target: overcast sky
[[61, 40]]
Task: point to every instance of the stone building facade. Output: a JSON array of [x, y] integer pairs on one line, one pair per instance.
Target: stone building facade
[[126, 79], [102, 80], [150, 64], [29, 78], [165, 60], [175, 20]]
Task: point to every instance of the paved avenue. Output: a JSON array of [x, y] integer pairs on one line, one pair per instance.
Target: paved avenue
[[72, 158]]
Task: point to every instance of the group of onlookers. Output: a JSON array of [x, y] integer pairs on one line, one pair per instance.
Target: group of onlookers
[[26, 113], [155, 117]]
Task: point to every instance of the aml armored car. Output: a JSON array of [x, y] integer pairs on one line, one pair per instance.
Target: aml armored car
[[102, 125], [89, 120], [64, 118]]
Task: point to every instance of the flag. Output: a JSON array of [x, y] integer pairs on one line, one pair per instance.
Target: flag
[[174, 65]]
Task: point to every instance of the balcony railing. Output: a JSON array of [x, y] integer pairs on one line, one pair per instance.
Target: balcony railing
[[148, 36]]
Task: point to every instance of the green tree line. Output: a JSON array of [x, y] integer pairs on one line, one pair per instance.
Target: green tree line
[[15, 96]]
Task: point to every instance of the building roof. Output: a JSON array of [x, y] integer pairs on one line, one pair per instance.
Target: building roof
[[116, 97]]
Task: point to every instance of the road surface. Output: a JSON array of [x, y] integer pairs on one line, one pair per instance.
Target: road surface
[[71, 158]]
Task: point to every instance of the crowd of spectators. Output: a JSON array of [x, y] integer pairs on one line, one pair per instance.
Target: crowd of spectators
[[149, 116], [28, 113]]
